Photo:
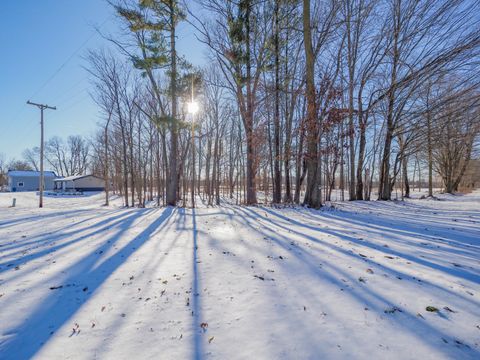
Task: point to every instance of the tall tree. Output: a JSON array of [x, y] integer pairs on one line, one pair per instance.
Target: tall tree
[[313, 195], [238, 40], [153, 24]]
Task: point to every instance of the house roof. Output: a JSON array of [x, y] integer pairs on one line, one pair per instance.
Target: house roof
[[31, 173], [75, 177]]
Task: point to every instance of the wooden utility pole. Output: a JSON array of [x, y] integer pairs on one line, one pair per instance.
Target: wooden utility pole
[[42, 180]]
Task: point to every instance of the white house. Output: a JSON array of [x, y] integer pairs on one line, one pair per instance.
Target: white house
[[80, 183]]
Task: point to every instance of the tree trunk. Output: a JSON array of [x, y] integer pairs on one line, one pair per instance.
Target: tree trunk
[[251, 189], [313, 193], [405, 176], [430, 156], [106, 169], [362, 122], [277, 181], [172, 182]]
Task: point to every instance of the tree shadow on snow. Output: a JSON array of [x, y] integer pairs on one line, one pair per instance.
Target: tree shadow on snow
[[50, 216], [50, 242], [196, 300], [276, 228], [80, 282]]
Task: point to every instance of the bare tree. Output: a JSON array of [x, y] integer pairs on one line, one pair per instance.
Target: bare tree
[[32, 156]]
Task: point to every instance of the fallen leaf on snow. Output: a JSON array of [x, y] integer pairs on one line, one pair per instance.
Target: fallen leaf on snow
[[392, 310]]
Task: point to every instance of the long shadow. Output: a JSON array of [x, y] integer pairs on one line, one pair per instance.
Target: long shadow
[[97, 227], [83, 279], [32, 240], [457, 244], [397, 224], [7, 223], [53, 235], [409, 321], [422, 217], [257, 216], [197, 341], [396, 230], [154, 261], [460, 273]]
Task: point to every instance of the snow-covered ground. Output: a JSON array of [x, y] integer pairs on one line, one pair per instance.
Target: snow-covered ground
[[82, 281]]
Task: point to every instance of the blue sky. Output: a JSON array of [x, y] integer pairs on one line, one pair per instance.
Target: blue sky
[[37, 37]]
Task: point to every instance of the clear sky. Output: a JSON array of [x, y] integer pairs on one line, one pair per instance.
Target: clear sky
[[41, 39]]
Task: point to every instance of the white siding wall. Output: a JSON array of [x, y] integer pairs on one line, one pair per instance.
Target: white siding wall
[[89, 182]]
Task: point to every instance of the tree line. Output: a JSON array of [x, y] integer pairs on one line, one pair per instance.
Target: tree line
[[300, 100], [70, 156]]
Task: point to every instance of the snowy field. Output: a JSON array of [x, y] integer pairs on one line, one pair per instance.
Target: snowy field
[[353, 281]]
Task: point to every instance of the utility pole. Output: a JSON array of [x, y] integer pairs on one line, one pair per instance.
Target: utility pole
[[42, 180]]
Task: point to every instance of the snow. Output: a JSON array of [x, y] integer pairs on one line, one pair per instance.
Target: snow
[[83, 281]]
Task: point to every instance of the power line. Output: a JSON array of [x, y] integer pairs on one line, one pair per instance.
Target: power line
[[63, 95], [71, 104], [69, 58], [56, 72], [66, 104]]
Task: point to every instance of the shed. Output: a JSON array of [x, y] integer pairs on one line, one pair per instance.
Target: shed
[[80, 183], [29, 180]]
